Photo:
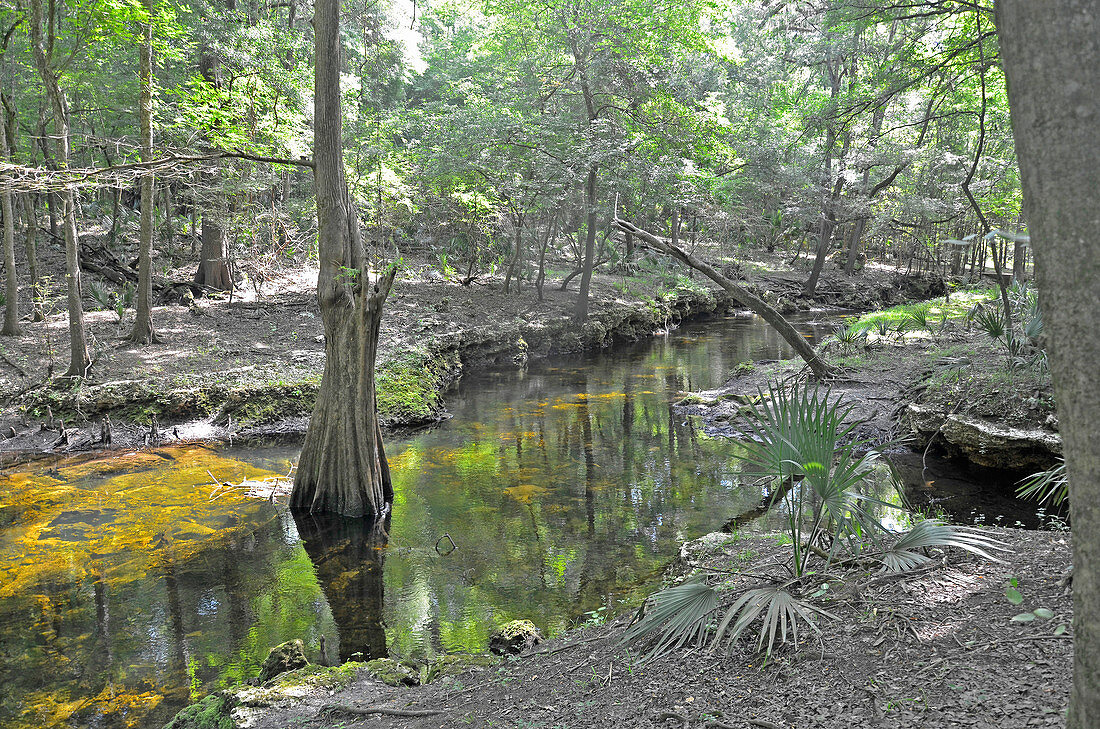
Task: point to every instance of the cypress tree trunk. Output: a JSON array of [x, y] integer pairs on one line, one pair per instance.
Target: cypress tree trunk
[[143, 332], [1051, 53], [7, 152], [343, 466]]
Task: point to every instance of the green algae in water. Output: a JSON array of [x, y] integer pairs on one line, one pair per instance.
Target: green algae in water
[[113, 572]]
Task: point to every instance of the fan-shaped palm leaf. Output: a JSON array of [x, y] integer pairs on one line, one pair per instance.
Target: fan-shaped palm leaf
[[931, 533], [679, 616], [779, 611], [1050, 485]]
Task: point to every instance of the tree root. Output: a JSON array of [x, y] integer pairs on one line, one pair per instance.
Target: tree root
[[370, 710]]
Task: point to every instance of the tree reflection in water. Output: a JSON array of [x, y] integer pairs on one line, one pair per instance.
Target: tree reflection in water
[[348, 556]]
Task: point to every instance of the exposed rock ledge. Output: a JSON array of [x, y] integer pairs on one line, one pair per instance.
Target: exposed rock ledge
[[985, 442]]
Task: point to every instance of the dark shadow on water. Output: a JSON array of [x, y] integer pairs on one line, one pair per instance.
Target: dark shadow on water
[[348, 556]]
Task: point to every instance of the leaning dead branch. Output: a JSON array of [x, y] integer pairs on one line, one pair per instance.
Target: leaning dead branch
[[19, 178], [742, 295]]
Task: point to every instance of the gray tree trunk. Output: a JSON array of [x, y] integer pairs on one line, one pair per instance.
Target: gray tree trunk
[[343, 466], [143, 331], [30, 243], [79, 360], [1051, 53], [581, 311], [11, 304]]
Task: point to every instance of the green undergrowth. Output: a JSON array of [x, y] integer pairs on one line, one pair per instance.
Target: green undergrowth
[[937, 309]]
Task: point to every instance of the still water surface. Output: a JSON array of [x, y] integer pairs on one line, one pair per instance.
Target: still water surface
[[130, 584]]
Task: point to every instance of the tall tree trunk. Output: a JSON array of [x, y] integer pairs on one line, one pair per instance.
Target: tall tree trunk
[[169, 217], [143, 331], [214, 256], [517, 253], [1051, 52], [213, 270], [79, 360], [30, 243], [7, 153], [1019, 261], [740, 294], [343, 466], [832, 192], [580, 313], [11, 305]]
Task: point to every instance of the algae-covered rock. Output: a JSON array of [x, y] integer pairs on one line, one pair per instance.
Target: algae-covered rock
[[515, 637], [282, 658], [453, 664], [212, 712], [394, 672]]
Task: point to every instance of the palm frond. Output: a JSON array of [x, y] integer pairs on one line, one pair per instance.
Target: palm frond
[[1046, 486], [679, 616], [779, 613], [931, 533]]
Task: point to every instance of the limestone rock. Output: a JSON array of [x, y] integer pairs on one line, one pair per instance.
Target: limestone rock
[[282, 658], [987, 443], [394, 673], [515, 637]]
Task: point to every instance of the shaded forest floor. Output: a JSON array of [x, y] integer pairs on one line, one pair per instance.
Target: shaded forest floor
[[935, 648], [250, 365]]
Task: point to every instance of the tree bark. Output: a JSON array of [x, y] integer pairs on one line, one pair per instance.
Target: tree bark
[[30, 243], [832, 191], [11, 304], [143, 331], [580, 313], [214, 256], [740, 294], [7, 153], [1051, 51], [343, 466], [79, 360], [213, 271]]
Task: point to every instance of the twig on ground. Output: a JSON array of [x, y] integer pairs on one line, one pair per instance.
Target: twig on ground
[[562, 648], [666, 715], [763, 724], [370, 710]]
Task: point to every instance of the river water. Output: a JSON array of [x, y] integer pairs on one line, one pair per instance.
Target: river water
[[130, 584]]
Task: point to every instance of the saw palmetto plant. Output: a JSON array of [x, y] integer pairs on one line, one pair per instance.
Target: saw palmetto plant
[[804, 438]]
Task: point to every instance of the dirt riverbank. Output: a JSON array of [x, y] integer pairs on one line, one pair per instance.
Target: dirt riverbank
[[248, 366]]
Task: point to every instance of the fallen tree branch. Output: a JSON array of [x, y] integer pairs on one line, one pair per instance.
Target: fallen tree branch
[[742, 295], [666, 715], [370, 710], [18, 178]]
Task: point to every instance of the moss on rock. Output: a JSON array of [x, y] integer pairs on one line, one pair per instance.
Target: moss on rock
[[410, 387], [211, 712], [394, 673]]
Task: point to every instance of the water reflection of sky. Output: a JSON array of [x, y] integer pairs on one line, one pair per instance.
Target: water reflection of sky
[[130, 585]]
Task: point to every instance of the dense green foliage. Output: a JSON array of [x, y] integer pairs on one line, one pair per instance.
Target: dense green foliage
[[474, 127]]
